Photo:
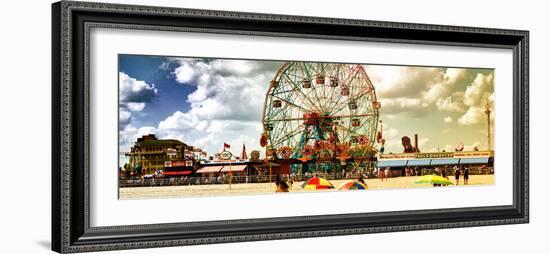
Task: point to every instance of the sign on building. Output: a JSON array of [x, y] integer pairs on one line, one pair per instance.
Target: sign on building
[[226, 155], [433, 155], [171, 152], [178, 163]]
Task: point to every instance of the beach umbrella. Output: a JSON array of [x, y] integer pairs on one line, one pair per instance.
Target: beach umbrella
[[353, 185], [316, 183], [433, 179]]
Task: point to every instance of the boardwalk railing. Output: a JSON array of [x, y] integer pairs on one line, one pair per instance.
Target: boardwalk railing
[[236, 179]]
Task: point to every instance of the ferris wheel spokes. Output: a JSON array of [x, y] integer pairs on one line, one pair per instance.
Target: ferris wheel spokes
[[301, 93], [309, 103]]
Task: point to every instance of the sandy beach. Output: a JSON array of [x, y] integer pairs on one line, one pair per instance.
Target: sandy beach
[[259, 188]]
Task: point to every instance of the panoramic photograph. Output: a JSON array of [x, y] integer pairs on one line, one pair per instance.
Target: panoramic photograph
[[192, 127]]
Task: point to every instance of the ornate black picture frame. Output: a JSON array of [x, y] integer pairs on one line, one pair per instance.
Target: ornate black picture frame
[[71, 230]]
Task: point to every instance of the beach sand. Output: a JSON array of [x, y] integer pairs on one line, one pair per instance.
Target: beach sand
[[259, 188]]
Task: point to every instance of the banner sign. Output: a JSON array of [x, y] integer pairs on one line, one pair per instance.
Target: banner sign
[[433, 155], [178, 163]]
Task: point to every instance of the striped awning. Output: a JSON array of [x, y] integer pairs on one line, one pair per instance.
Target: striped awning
[[413, 163], [392, 163], [447, 161], [234, 168], [479, 160], [210, 169]]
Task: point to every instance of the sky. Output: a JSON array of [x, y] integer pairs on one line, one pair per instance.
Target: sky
[[208, 102]]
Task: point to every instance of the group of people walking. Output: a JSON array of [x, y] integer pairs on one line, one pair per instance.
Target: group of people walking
[[383, 173], [465, 173], [458, 172]]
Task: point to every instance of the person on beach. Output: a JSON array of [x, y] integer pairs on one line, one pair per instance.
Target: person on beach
[[466, 175], [437, 172], [381, 174], [457, 174], [282, 186], [291, 180], [387, 173], [444, 175]]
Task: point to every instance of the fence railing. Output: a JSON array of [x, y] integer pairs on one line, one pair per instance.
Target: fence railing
[[195, 180], [237, 179]]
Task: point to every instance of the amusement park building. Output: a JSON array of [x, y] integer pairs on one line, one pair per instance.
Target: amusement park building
[[428, 161], [151, 153]]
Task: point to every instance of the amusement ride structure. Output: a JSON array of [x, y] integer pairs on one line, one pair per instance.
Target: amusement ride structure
[[324, 115]]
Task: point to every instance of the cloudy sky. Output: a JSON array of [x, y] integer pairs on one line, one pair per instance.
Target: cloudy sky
[[206, 102]]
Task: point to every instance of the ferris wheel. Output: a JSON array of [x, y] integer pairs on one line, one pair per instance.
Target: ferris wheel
[[319, 111]]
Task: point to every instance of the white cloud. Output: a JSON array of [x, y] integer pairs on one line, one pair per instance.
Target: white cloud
[[416, 91], [473, 116], [444, 85], [448, 119], [135, 106], [124, 118], [182, 122], [477, 95], [233, 67], [402, 81], [133, 90], [451, 103], [133, 95], [188, 70], [479, 91], [226, 89], [402, 106], [164, 65]]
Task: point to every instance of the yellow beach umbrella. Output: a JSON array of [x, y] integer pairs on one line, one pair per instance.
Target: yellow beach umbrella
[[433, 179]]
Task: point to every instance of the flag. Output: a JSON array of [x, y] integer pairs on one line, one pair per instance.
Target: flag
[[243, 154], [226, 145]]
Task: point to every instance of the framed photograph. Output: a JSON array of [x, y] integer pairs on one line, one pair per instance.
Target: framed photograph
[[182, 126]]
